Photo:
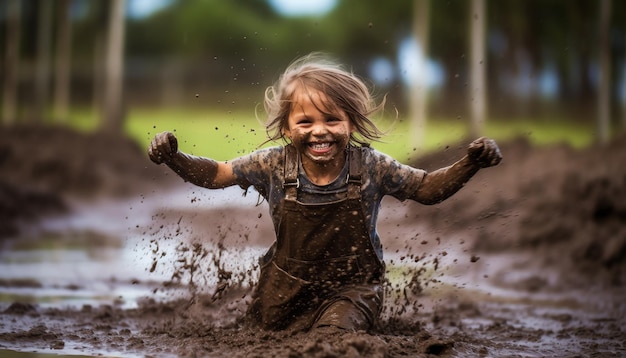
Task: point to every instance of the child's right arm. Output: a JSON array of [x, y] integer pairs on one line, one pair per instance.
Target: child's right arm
[[200, 171]]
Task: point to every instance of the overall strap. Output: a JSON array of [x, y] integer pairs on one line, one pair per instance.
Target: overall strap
[[291, 182], [354, 177]]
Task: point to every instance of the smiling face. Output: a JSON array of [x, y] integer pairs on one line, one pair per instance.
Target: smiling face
[[318, 129]]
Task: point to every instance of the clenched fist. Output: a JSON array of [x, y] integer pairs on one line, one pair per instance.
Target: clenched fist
[[484, 152], [163, 147]]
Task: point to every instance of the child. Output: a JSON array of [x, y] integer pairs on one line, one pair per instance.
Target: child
[[324, 189]]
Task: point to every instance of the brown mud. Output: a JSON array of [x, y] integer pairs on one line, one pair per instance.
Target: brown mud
[[529, 259]]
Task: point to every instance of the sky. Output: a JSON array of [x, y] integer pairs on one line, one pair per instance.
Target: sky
[[303, 7], [143, 8]]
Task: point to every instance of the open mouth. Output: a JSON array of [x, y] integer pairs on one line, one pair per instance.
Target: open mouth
[[320, 148]]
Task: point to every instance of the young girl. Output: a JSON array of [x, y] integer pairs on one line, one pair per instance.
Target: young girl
[[324, 189]]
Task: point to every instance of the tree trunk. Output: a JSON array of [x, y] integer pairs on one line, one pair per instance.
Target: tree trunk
[[42, 69], [478, 64], [113, 112], [63, 58], [100, 12], [604, 90], [11, 62], [419, 86]]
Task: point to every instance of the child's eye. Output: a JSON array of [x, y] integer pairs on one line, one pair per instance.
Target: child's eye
[[333, 119]]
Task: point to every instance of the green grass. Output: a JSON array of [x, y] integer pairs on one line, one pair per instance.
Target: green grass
[[219, 135], [544, 131], [224, 135]]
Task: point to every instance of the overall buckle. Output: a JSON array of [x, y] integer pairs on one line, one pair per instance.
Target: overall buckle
[[292, 183]]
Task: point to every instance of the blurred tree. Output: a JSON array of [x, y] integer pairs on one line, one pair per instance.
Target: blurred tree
[[449, 45], [100, 13], [113, 111], [478, 63], [419, 87], [11, 61], [42, 66], [63, 60], [530, 36], [239, 45], [604, 54], [250, 29], [360, 30]]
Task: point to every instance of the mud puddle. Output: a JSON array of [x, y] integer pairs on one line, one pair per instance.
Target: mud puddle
[[171, 276]]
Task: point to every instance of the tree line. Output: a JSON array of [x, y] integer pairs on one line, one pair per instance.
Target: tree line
[[60, 52]]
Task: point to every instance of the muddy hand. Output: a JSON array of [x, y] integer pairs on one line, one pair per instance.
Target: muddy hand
[[163, 147], [484, 152]]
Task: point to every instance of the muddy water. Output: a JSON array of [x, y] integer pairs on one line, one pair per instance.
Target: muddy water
[[108, 252], [170, 276]]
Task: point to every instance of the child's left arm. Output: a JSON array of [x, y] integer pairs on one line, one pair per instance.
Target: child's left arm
[[442, 183]]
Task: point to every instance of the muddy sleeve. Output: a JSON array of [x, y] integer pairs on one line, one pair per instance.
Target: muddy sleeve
[[442, 183], [256, 169], [392, 177]]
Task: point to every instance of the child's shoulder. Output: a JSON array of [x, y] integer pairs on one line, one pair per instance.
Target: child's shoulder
[[273, 150], [270, 155], [259, 164], [371, 155], [378, 163]]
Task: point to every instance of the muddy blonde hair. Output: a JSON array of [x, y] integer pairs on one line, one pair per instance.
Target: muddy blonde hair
[[344, 91]]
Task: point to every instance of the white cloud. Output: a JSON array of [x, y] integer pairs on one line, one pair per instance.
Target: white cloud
[[303, 7], [143, 8]]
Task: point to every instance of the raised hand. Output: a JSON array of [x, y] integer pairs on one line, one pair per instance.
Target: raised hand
[[163, 147], [484, 152]]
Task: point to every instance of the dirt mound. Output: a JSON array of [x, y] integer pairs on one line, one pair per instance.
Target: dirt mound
[[568, 204], [65, 161], [41, 166]]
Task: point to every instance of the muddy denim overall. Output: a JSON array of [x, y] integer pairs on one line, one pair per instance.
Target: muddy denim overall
[[322, 269]]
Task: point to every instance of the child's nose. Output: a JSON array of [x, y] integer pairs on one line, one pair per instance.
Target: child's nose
[[319, 129]]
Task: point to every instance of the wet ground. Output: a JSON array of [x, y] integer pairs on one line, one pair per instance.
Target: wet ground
[[528, 260]]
